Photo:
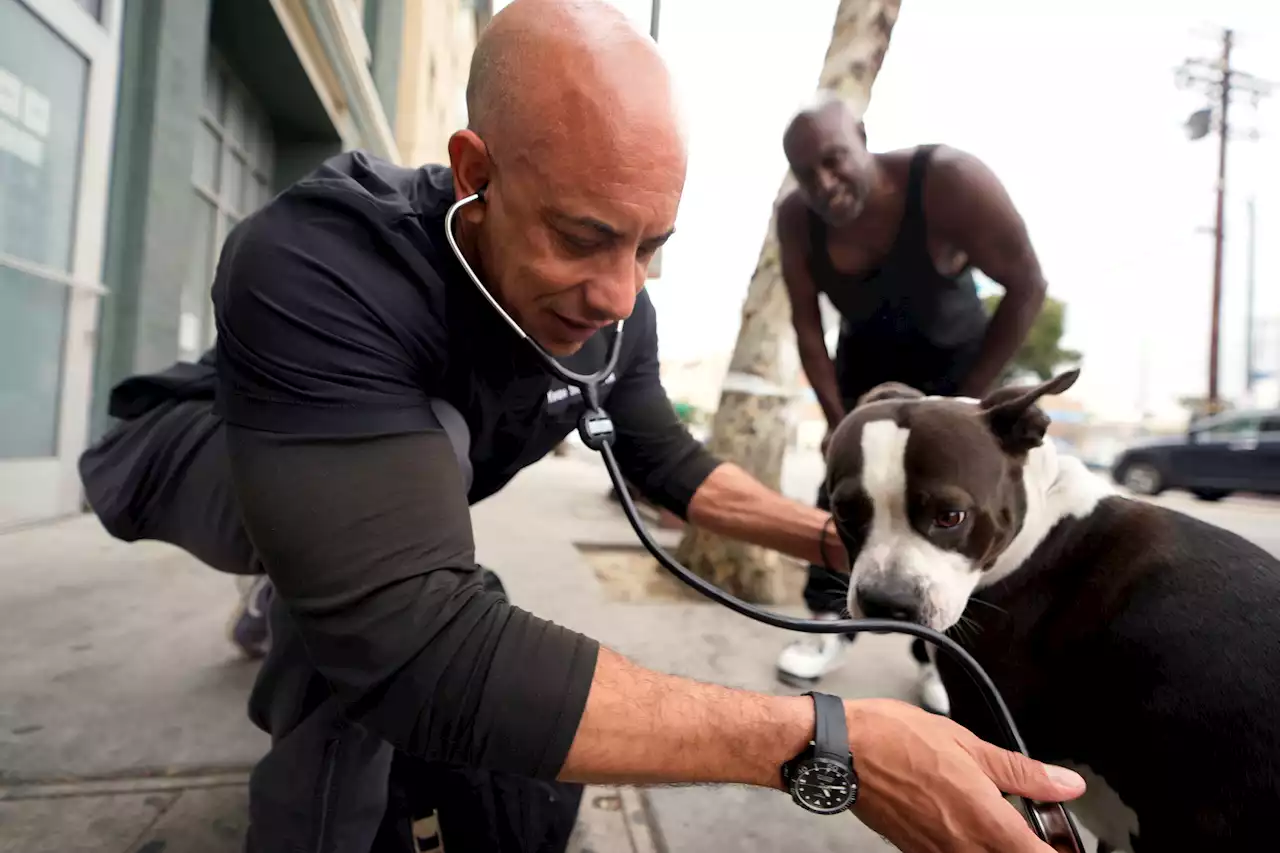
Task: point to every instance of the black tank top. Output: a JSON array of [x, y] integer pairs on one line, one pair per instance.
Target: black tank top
[[904, 321]]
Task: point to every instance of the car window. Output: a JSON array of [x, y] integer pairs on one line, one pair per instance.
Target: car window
[[1271, 426], [1229, 428]]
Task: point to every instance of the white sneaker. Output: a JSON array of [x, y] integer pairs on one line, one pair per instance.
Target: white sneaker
[[805, 661], [933, 695]]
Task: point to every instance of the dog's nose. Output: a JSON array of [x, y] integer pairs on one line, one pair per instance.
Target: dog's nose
[[890, 601]]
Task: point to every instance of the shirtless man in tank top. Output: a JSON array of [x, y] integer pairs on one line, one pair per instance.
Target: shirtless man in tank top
[[892, 240]]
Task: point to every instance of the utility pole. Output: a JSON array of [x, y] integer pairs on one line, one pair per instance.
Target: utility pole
[[1218, 80], [1219, 238], [1250, 285], [655, 12]]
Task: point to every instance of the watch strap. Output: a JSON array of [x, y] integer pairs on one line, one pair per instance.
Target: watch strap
[[831, 732]]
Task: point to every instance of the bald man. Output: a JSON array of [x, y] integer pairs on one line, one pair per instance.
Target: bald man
[[892, 240], [367, 393]]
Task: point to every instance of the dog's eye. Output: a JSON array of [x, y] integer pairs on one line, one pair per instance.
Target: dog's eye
[[949, 518]]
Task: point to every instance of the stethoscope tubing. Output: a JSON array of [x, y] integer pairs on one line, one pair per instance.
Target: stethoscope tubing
[[590, 384]]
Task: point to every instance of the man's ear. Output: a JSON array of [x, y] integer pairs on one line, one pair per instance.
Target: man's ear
[[1016, 420], [889, 391], [472, 170]]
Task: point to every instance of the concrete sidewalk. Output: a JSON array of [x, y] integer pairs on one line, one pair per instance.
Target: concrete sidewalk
[[122, 724]]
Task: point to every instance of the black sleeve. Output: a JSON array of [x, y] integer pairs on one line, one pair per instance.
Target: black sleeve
[[655, 451], [323, 327], [369, 543], [327, 355]]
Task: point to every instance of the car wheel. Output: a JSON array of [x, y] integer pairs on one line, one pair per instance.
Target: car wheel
[[1142, 478], [1211, 495]]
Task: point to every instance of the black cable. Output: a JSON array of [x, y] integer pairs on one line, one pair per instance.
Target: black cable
[[813, 626]]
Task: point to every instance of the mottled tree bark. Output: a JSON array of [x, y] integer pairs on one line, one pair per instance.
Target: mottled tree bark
[[750, 425]]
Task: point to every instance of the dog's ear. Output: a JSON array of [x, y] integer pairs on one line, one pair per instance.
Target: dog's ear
[[889, 391], [1014, 417]]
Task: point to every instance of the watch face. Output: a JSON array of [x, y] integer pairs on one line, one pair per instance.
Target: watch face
[[824, 786]]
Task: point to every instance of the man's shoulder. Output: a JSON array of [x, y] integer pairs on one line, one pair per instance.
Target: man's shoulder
[[793, 215], [942, 160], [793, 204], [355, 217], [380, 186], [335, 297]]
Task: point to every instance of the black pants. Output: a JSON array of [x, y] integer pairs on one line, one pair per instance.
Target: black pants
[[331, 786], [327, 785]]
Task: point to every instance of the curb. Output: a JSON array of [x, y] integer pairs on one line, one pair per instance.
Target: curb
[[615, 820]]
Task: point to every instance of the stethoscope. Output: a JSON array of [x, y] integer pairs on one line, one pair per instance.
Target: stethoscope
[[1050, 821]]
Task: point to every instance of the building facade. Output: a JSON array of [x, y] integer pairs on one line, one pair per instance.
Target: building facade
[[438, 39], [134, 134]]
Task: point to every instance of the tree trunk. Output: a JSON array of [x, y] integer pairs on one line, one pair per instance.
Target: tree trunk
[[750, 426]]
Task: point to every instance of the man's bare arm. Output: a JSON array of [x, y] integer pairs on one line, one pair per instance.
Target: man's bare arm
[[806, 317], [968, 206], [643, 727], [732, 503], [925, 783]]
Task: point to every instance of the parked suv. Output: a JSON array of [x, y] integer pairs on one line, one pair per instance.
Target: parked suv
[[1230, 452]]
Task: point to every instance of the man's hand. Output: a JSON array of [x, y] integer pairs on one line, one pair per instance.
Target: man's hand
[[929, 785], [826, 441]]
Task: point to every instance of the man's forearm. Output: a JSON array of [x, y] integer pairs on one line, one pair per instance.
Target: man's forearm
[[1006, 332], [732, 503], [644, 727], [820, 370]]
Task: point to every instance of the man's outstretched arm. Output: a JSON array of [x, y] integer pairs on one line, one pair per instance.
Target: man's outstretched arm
[[969, 207], [657, 454], [368, 541]]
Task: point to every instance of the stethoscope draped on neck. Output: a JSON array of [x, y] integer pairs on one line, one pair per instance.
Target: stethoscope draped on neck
[[1049, 820]]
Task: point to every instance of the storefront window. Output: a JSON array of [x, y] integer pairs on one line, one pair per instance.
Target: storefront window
[[43, 81]]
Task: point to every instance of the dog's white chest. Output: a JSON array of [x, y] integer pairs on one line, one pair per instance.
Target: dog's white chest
[[1103, 812]]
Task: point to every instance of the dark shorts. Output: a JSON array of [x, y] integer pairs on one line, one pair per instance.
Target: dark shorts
[[930, 371]]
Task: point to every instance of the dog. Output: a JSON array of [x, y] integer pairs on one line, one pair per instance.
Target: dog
[[1134, 644]]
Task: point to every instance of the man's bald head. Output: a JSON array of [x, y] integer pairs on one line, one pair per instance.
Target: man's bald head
[[826, 110], [574, 137], [547, 68], [826, 146]]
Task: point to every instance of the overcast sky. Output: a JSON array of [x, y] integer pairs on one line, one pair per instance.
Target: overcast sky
[[1073, 105]]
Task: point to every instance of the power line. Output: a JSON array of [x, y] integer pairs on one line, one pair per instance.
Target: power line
[[1219, 81]]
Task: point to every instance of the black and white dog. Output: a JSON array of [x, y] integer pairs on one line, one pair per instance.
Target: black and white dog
[[1135, 644]]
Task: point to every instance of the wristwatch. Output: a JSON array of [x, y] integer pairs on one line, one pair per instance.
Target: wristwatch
[[821, 779]]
